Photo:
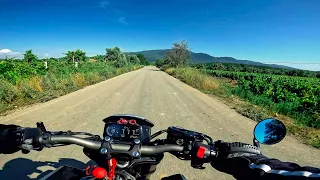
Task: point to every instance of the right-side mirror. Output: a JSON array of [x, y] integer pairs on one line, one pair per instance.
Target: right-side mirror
[[269, 131]]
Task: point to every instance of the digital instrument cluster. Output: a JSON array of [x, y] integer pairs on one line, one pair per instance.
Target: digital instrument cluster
[[127, 128], [123, 131]]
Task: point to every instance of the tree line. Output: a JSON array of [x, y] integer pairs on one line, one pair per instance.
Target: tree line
[[115, 55]]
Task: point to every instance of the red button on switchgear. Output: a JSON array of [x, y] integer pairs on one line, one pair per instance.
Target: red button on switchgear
[[200, 153]]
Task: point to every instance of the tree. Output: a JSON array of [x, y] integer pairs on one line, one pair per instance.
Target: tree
[[29, 56], [79, 55], [178, 55], [143, 59], [52, 59], [99, 58], [133, 59], [113, 54], [159, 62], [274, 131], [121, 61]]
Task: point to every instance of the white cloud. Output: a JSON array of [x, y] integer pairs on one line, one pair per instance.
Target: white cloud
[[104, 3], [8, 53], [5, 51], [311, 66], [123, 20]]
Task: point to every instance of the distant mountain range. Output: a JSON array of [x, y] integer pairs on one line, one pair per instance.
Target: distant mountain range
[[153, 55]]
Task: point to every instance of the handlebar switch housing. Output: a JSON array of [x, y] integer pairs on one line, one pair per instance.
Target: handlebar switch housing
[[201, 153], [185, 138]]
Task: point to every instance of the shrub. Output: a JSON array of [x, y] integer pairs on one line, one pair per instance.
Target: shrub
[[159, 63], [195, 78], [169, 71], [22, 83], [51, 82], [28, 92], [8, 92], [36, 83], [93, 77], [79, 80]]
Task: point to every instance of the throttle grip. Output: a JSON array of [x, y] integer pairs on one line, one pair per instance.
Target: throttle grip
[[243, 147], [225, 149], [29, 139]]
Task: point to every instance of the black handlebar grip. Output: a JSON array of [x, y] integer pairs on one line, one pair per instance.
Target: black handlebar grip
[[237, 147], [30, 139], [225, 149]]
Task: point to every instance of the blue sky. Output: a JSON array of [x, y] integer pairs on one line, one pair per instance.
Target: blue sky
[[260, 30]]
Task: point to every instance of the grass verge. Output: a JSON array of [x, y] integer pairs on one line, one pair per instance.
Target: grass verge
[[59, 80], [226, 90]]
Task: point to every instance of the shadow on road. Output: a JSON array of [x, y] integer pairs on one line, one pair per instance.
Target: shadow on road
[[153, 69], [21, 168]]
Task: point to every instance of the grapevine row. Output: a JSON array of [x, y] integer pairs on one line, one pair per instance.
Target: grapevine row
[[304, 93]]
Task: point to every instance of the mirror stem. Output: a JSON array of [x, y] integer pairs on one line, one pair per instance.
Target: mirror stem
[[256, 142]]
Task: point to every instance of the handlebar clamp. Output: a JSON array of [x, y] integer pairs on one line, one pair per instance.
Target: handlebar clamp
[[134, 151]]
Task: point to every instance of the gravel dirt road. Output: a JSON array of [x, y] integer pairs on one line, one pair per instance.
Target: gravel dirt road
[[150, 93]]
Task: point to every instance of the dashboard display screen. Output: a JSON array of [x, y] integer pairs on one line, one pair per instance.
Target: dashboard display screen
[[123, 131]]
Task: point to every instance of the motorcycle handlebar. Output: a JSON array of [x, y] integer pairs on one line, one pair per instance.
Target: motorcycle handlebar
[[65, 139], [96, 145]]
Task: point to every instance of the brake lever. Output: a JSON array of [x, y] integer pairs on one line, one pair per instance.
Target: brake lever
[[41, 126]]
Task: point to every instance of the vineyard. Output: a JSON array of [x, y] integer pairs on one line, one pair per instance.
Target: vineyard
[[295, 96], [256, 69]]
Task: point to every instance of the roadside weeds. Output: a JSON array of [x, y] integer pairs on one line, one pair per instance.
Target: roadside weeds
[[40, 89]]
